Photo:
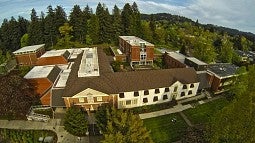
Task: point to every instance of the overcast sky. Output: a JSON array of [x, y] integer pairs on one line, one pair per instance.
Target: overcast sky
[[238, 14]]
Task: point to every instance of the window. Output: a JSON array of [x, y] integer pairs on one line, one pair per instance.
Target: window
[[99, 98], [145, 100], [167, 89], [175, 88], [81, 100], [184, 87], [136, 93], [190, 92], [121, 103], [182, 94], [146, 92], [142, 57], [192, 85], [128, 102], [121, 95], [157, 91], [134, 102], [155, 98], [165, 97]]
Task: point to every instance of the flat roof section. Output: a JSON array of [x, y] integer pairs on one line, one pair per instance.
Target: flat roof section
[[89, 63], [29, 48], [197, 61], [178, 56], [63, 77], [223, 70], [39, 72], [135, 41], [54, 53]]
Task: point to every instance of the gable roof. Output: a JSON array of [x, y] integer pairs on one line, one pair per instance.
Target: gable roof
[[131, 81]]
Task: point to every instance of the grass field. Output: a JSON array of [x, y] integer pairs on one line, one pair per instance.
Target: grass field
[[202, 113], [163, 130]]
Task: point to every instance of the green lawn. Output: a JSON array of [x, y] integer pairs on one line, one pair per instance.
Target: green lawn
[[163, 130], [202, 113]]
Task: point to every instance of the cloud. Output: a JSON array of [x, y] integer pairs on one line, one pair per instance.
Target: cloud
[[229, 13]]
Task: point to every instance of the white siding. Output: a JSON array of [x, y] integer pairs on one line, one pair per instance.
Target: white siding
[[138, 101]]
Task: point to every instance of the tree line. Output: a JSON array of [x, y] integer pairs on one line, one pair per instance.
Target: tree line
[[85, 27]]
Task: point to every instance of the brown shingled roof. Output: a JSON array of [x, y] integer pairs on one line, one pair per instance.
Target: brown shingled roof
[[132, 81], [109, 82]]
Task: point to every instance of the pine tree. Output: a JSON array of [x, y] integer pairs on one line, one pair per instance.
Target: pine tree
[[50, 30], [87, 12], [79, 23], [35, 29], [136, 21], [122, 127], [117, 30], [126, 16], [104, 18]]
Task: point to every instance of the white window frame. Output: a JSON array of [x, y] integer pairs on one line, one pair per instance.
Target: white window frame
[[99, 98], [81, 100]]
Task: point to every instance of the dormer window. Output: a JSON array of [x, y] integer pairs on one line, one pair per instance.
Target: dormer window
[[121, 95], [167, 89], [146, 92], [136, 93], [184, 87], [192, 85], [157, 91]]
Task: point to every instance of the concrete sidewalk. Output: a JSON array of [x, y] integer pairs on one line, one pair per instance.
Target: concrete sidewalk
[[175, 109], [53, 124]]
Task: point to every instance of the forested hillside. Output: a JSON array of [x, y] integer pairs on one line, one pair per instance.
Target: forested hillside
[[83, 28]]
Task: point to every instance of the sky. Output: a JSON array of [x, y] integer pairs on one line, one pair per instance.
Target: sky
[[237, 14]]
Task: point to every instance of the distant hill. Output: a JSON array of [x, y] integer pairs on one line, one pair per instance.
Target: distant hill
[[175, 19]]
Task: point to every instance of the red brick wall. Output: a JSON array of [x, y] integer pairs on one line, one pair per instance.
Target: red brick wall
[[41, 85], [45, 99], [51, 60], [26, 59]]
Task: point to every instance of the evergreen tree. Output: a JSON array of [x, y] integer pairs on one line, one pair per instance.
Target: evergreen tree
[[50, 30], [104, 18], [75, 122], [35, 30], [93, 29], [117, 30], [23, 24], [79, 23], [87, 12], [135, 28], [59, 19], [126, 16], [123, 126], [15, 35]]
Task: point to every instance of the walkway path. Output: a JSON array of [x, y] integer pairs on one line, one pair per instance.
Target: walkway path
[[177, 108], [53, 124], [186, 119]]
